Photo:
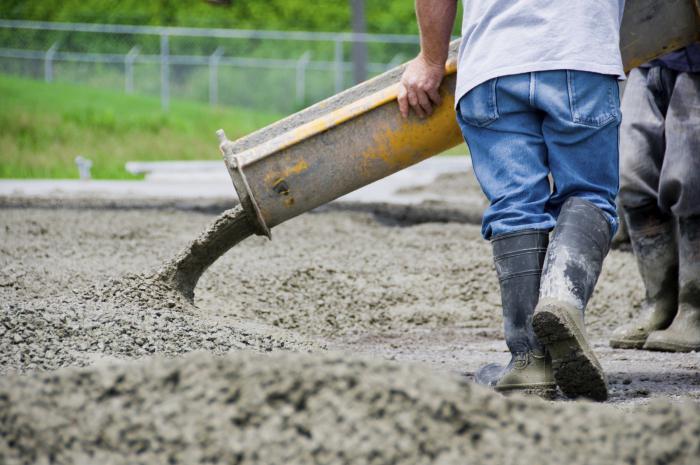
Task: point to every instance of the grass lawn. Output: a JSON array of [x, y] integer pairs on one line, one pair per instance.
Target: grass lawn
[[43, 127]]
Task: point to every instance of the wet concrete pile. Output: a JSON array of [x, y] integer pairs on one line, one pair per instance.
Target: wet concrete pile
[[300, 409], [46, 335], [173, 284], [71, 295], [132, 315]]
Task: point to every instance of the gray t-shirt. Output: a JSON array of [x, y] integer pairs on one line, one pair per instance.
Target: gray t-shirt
[[503, 37]]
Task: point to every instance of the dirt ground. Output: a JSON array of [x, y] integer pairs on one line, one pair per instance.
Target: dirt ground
[[380, 318]]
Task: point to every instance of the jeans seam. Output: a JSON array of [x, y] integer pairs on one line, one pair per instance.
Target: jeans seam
[[494, 102], [533, 85], [570, 88]]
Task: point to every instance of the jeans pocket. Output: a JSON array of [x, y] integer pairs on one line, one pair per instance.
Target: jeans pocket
[[594, 98], [478, 107]]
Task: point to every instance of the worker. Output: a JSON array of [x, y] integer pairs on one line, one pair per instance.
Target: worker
[[536, 95], [659, 192]]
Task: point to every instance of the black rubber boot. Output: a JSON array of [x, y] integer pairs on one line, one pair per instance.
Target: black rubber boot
[[684, 333], [654, 243], [519, 258], [580, 242]]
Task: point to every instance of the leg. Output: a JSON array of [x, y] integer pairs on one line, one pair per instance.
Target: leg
[[679, 192], [508, 155], [581, 129], [642, 138], [518, 257], [684, 333], [679, 184], [651, 229], [581, 132]]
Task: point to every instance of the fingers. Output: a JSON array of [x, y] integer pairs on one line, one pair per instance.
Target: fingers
[[425, 103], [415, 103], [434, 96], [403, 101]]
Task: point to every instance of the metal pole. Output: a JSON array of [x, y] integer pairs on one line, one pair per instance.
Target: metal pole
[[164, 72], [301, 76], [48, 62], [129, 69], [338, 65], [359, 47], [395, 61], [214, 59]]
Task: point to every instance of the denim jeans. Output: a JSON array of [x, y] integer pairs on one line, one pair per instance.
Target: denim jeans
[[522, 128], [660, 141]]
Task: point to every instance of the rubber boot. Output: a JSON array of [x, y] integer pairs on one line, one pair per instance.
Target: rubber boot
[[654, 244], [580, 242], [684, 333], [519, 257]]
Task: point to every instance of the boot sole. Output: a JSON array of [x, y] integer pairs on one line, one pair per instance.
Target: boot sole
[[669, 347], [576, 369], [545, 391], [627, 343]]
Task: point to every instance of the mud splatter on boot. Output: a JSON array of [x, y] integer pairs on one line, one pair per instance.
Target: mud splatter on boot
[[580, 242]]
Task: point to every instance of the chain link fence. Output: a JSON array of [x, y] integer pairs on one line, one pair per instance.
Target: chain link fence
[[274, 71]]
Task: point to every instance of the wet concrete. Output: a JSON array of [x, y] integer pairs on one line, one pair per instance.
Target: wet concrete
[[77, 290], [183, 271], [324, 408]]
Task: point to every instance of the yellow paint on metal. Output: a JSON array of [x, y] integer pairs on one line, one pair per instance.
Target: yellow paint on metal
[[330, 120], [275, 178]]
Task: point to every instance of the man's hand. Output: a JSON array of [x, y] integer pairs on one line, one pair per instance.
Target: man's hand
[[419, 85]]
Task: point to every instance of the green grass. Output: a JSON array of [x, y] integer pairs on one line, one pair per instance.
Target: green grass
[[43, 127]]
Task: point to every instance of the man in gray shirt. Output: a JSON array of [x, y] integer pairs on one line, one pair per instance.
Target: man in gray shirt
[[536, 96]]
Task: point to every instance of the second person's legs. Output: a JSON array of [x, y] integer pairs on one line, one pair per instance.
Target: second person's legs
[[651, 229]]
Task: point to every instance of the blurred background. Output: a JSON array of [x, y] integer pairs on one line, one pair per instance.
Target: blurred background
[[149, 80]]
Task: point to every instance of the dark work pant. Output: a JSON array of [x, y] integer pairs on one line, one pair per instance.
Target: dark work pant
[[660, 141]]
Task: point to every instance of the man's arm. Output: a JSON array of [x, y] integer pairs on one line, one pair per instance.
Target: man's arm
[[420, 81]]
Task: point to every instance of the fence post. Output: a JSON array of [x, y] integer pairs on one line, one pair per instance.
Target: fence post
[[48, 62], [164, 71], [214, 59], [301, 76], [395, 61], [129, 69], [338, 65], [359, 47]]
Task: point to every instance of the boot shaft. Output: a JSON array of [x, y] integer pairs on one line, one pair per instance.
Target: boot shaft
[[653, 238], [689, 264], [684, 333], [574, 260], [519, 258]]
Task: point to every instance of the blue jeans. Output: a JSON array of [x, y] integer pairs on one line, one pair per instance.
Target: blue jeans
[[522, 128]]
